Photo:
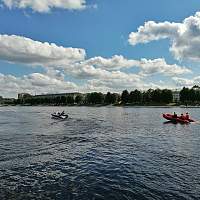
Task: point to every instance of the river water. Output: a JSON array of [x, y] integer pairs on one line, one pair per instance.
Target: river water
[[98, 153]]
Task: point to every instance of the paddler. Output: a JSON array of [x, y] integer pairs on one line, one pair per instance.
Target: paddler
[[182, 117], [187, 117], [175, 115]]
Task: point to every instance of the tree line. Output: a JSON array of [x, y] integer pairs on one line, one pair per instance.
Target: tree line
[[190, 95], [135, 97]]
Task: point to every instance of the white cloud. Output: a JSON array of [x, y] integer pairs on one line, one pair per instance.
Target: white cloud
[[99, 66], [185, 36], [62, 63], [115, 85], [149, 67], [19, 49], [153, 31], [44, 6], [184, 82], [116, 62]]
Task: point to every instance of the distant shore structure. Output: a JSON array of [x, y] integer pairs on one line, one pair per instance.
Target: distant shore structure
[[26, 95], [151, 97], [176, 96]]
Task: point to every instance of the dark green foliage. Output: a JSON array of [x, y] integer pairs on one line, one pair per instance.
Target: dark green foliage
[[184, 94], [156, 95], [110, 98], [78, 99], [146, 96], [95, 98], [190, 95], [135, 96], [70, 100], [166, 96], [63, 100], [125, 96]]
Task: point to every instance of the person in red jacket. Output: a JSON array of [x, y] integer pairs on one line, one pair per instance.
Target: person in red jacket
[[187, 117], [182, 117]]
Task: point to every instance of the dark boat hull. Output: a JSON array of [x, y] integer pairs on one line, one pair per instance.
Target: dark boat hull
[[54, 116]]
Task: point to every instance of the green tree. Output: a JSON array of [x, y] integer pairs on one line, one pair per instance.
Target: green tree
[[78, 99], [135, 96], [156, 95], [95, 98], [166, 96], [63, 100], [192, 95], [125, 96], [70, 100], [184, 95], [114, 98], [110, 98], [147, 96]]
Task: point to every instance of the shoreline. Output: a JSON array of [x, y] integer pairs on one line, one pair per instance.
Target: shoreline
[[100, 105]]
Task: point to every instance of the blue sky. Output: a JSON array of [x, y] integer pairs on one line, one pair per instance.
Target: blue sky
[[102, 29]]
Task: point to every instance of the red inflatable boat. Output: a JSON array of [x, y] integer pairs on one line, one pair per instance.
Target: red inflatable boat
[[177, 119]]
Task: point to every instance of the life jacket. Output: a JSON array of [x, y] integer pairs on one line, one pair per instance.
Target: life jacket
[[187, 117]]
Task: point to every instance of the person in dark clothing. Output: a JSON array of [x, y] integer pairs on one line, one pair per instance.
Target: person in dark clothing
[[175, 115]]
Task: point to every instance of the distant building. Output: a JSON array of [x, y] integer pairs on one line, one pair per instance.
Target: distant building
[[24, 95], [176, 96], [7, 101], [73, 94]]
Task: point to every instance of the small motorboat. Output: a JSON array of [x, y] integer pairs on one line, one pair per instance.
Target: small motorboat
[[59, 116], [177, 119]]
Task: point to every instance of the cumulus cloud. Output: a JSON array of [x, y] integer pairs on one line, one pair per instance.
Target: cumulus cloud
[[19, 49], [115, 62], [98, 66], [184, 37], [44, 6], [115, 85], [153, 31], [184, 82], [60, 63], [149, 67]]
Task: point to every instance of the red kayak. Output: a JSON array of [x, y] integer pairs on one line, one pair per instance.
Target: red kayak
[[177, 119]]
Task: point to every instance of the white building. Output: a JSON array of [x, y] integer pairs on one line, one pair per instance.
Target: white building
[[176, 96]]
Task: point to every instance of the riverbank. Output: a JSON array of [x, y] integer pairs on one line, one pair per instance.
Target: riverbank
[[107, 105]]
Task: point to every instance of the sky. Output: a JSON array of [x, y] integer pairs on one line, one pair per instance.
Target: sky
[[54, 46]]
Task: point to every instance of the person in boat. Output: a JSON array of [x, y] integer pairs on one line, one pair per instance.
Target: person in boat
[[182, 117], [175, 115], [187, 117], [63, 112]]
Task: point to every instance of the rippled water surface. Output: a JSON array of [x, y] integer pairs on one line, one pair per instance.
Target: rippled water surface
[[98, 153]]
